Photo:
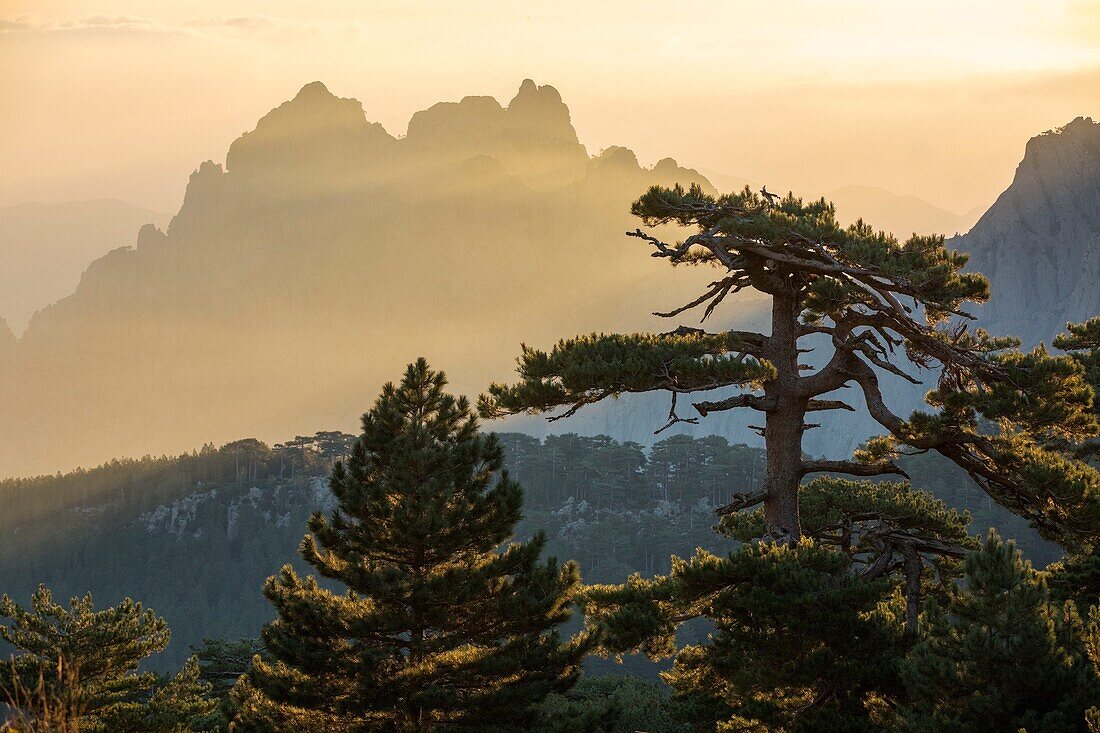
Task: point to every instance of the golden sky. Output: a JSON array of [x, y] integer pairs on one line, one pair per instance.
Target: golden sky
[[930, 98]]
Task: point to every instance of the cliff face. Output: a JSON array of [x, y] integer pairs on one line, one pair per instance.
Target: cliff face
[[1039, 244], [323, 256], [44, 248], [7, 341]]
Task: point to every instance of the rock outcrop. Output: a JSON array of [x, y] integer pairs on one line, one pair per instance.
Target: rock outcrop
[[532, 138], [1039, 244]]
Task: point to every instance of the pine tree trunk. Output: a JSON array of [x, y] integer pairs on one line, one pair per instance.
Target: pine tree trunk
[[784, 426], [783, 440]]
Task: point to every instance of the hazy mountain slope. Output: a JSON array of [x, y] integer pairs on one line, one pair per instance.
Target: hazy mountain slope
[[1039, 244], [319, 260], [7, 343], [45, 247], [902, 215], [897, 213]]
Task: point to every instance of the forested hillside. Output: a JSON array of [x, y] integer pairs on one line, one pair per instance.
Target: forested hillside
[[194, 536]]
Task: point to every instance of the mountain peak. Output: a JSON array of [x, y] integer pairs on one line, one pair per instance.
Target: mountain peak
[[540, 110], [528, 90], [313, 89], [533, 137], [1040, 242], [8, 345], [1079, 137], [1079, 126], [315, 125]]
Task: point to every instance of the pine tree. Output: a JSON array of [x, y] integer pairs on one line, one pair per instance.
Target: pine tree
[[222, 663], [80, 667], [859, 296], [1000, 655], [439, 630], [888, 529], [1077, 577], [1092, 646], [183, 704], [800, 642], [809, 637]]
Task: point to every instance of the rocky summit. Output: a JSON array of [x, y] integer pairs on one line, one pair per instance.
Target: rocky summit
[[1039, 244]]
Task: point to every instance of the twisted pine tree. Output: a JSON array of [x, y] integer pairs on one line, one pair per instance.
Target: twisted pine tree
[[439, 630], [1001, 655], [867, 296]]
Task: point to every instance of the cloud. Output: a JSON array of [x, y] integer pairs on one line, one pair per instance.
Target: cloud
[[108, 24], [137, 25]]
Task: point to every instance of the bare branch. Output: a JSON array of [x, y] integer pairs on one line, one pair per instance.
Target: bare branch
[[742, 501], [852, 468], [819, 405], [762, 404], [673, 418], [715, 288], [590, 400]]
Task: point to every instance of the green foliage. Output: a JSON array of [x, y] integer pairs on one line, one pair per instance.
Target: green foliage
[[87, 662], [1076, 578], [801, 643], [438, 630], [830, 504], [1082, 343], [1040, 408], [181, 705], [874, 523], [221, 664], [932, 272], [1001, 655], [1092, 646], [614, 703], [589, 368]]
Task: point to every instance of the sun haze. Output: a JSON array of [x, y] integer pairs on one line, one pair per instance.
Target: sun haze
[[932, 99]]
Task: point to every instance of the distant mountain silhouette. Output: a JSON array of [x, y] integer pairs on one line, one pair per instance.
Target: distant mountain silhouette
[[896, 213], [899, 214], [7, 342], [320, 259], [45, 247]]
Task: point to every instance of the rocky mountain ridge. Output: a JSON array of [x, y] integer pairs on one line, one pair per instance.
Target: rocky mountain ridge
[[322, 257]]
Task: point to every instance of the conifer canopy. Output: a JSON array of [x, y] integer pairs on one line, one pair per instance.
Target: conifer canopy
[[441, 627]]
